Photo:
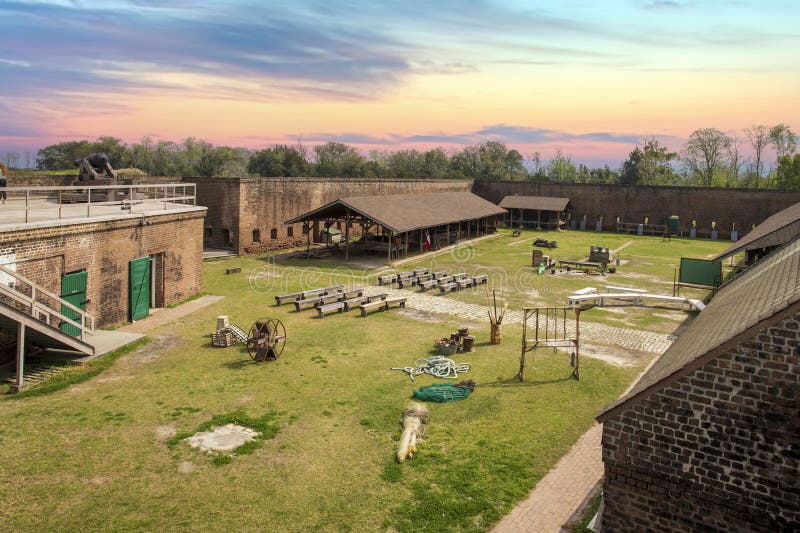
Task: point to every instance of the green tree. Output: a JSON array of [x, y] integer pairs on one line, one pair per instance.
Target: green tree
[[435, 164], [490, 161], [279, 161], [704, 155], [405, 164], [339, 160], [787, 174], [561, 169], [783, 139], [649, 164], [61, 156]]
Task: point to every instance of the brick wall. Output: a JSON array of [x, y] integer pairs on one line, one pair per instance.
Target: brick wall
[[241, 205], [104, 249], [718, 449], [744, 207]]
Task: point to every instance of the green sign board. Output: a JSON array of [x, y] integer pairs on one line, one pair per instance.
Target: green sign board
[[700, 272]]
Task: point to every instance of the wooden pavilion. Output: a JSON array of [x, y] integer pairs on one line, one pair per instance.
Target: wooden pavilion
[[537, 212], [394, 225]]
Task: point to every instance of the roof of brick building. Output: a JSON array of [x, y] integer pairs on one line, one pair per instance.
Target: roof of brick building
[[742, 308], [770, 225], [406, 212], [536, 203]]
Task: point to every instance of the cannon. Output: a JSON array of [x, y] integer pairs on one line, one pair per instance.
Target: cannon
[[92, 168], [266, 340]]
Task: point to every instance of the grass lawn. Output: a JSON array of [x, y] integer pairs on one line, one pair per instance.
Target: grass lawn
[[98, 455]]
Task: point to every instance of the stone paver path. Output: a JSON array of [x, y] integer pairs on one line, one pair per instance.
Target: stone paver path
[[592, 332]]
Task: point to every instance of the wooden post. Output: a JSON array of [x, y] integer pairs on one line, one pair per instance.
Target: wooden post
[[20, 357], [307, 225], [347, 236], [389, 253], [577, 372]]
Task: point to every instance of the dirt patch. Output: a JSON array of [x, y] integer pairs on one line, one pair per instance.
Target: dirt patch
[[165, 432], [615, 355], [156, 348], [427, 316], [97, 480], [186, 467]]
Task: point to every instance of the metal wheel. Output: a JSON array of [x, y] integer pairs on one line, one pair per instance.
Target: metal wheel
[[266, 340]]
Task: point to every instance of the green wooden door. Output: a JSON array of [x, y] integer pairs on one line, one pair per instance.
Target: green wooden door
[[73, 290], [140, 288]]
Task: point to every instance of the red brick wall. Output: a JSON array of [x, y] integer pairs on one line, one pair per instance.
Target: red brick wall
[[718, 449], [744, 207], [241, 205], [104, 249]]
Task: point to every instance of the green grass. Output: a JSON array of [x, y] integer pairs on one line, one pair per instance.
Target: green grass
[[100, 453]]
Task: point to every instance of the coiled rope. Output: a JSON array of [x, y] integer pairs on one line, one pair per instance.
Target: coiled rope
[[437, 366]]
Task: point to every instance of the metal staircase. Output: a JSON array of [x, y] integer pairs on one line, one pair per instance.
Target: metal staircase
[[38, 317]]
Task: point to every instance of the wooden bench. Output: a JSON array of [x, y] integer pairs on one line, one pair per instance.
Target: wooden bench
[[399, 302], [425, 285], [388, 279], [353, 302], [407, 282], [326, 308], [321, 291], [482, 278], [292, 297], [464, 283], [375, 297], [447, 287], [346, 295], [446, 279], [330, 298], [419, 271], [370, 306], [424, 277], [307, 302], [460, 275], [440, 274]]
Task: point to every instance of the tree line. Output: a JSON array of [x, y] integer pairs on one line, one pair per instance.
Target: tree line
[[708, 158]]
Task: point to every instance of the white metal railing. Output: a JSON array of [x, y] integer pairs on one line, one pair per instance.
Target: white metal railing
[[29, 204], [40, 310]]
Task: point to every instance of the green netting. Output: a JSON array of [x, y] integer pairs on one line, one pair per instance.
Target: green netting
[[441, 392]]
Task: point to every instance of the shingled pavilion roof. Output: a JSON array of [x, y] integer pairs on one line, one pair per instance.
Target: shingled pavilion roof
[[401, 213], [535, 203], [754, 301], [776, 230]]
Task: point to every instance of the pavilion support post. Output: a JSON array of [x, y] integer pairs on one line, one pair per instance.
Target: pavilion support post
[[389, 252], [307, 225], [347, 237], [20, 378], [538, 219]]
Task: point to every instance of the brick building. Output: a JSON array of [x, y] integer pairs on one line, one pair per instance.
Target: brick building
[[709, 438], [164, 237]]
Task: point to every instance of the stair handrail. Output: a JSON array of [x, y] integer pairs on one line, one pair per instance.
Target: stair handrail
[[86, 324]]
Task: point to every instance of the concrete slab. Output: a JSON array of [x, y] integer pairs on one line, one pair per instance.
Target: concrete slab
[[159, 317], [105, 341], [222, 438]]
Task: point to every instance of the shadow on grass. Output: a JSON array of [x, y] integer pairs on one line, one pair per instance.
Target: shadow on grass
[[515, 382]]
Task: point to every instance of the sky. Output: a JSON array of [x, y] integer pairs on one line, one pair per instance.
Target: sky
[[591, 78]]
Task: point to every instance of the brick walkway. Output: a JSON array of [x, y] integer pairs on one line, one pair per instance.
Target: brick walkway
[[559, 494]]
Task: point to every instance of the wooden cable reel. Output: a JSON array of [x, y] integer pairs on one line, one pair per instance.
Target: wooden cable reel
[[266, 339]]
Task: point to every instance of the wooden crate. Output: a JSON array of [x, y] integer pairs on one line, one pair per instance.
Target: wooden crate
[[223, 338]]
